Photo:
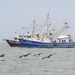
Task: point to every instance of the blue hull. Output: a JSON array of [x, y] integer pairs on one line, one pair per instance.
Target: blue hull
[[28, 43], [66, 45]]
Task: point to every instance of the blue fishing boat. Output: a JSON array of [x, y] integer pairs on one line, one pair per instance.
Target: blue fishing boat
[[48, 37], [43, 36]]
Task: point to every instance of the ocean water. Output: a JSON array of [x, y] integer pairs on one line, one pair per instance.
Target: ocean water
[[62, 62]]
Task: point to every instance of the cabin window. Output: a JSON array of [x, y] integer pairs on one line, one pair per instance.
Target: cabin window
[[16, 38], [20, 35], [28, 36]]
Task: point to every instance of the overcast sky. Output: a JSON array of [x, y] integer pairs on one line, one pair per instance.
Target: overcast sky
[[15, 14]]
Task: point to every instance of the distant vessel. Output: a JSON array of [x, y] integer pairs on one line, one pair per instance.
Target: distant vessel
[[48, 38], [14, 41]]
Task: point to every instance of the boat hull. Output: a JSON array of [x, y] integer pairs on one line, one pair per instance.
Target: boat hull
[[29, 43], [65, 45], [13, 43]]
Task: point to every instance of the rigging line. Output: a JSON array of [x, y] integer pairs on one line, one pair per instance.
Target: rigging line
[[28, 28], [56, 19], [55, 25]]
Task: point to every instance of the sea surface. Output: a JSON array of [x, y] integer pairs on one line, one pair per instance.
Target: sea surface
[[62, 62]]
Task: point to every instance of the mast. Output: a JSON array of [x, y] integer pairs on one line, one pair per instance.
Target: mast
[[34, 24], [46, 27], [48, 23]]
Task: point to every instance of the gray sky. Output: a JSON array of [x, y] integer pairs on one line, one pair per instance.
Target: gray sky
[[15, 14]]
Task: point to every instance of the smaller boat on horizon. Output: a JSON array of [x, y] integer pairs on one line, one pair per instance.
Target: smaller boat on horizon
[[14, 42]]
